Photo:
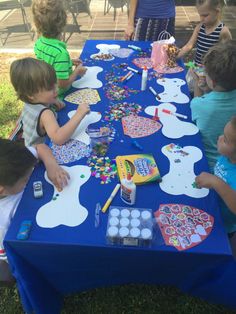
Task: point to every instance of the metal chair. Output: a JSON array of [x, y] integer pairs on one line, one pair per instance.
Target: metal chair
[[12, 5], [115, 4], [74, 7]]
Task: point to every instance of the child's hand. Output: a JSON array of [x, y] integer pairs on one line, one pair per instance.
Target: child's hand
[[80, 70], [59, 104], [77, 62], [83, 109], [205, 180], [58, 176]]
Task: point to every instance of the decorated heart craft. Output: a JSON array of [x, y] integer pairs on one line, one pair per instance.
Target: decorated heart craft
[[136, 126], [87, 95], [183, 226]]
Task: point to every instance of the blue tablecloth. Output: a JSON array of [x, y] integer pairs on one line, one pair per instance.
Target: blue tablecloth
[[56, 261]]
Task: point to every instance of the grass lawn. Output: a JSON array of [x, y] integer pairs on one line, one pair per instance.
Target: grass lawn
[[132, 299]]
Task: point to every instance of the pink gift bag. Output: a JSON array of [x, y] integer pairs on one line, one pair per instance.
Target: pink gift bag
[[159, 55]]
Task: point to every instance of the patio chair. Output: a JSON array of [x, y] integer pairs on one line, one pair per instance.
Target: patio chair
[[75, 7], [12, 5], [115, 4]]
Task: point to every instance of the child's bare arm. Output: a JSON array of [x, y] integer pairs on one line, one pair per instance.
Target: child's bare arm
[[78, 71], [59, 135], [190, 44], [211, 181], [56, 174]]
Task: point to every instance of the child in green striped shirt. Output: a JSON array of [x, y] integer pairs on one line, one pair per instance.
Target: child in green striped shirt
[[50, 20]]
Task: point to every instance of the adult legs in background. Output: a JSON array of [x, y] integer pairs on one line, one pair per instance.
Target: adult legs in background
[[150, 29]]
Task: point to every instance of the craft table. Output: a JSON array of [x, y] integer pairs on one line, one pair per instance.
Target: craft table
[[59, 259]]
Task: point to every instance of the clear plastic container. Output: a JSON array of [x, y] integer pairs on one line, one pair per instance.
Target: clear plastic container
[[128, 230], [99, 140]]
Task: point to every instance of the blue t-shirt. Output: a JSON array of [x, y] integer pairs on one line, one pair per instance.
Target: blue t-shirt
[[225, 170], [211, 112], [156, 9]]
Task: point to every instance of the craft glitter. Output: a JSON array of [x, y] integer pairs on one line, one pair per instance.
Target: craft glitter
[[118, 111], [102, 168]]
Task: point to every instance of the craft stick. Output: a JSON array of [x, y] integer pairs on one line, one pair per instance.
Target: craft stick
[[154, 92], [179, 115], [108, 202], [134, 70]]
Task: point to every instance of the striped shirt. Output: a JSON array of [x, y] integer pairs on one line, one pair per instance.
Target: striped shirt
[[54, 52], [206, 41], [30, 118]]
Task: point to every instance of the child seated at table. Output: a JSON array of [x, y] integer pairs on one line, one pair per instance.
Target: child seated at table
[[224, 179], [212, 110], [16, 165], [35, 83], [50, 20]]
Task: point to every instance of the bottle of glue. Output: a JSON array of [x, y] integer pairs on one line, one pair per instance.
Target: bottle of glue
[[128, 190], [144, 78]]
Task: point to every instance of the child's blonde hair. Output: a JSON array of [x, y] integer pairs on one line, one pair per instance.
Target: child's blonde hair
[[220, 65], [213, 4], [30, 76], [49, 17]]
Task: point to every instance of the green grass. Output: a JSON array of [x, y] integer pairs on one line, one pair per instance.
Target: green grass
[[10, 107], [132, 299]]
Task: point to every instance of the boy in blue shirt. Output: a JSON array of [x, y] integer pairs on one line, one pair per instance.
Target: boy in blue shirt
[[211, 111], [224, 179]]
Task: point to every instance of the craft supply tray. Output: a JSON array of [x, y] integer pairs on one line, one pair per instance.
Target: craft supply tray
[[129, 226]]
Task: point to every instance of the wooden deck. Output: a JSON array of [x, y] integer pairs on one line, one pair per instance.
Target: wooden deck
[[100, 26]]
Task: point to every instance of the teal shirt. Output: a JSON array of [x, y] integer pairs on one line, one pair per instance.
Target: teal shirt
[[211, 112], [227, 172]]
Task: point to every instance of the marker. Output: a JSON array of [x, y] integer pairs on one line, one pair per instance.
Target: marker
[[113, 194], [154, 92], [134, 47], [97, 217], [129, 77], [134, 70], [179, 115], [125, 76]]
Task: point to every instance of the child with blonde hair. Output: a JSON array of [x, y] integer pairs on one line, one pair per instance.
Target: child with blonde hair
[[224, 179], [35, 83], [209, 31], [50, 20]]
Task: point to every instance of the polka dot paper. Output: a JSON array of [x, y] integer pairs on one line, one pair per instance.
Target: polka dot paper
[[69, 152], [136, 126], [87, 95]]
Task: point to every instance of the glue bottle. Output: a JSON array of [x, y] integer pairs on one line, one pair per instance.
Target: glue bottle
[[144, 78], [128, 190]]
